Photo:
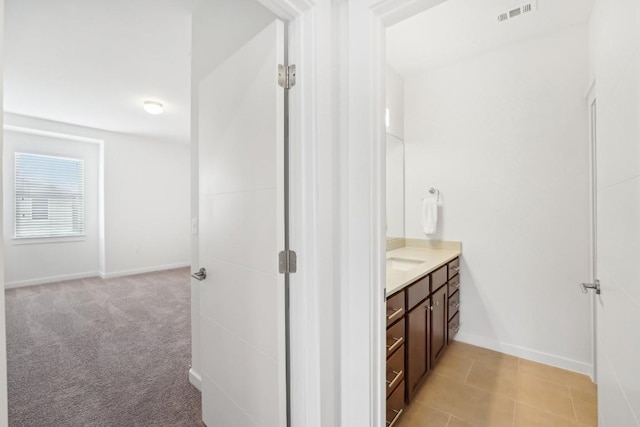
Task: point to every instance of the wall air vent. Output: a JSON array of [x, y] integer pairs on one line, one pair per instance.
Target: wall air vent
[[512, 13]]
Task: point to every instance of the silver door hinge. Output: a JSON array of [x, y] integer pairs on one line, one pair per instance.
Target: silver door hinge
[[287, 262], [287, 76]]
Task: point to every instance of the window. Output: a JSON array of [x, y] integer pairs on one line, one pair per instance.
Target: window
[[49, 196]]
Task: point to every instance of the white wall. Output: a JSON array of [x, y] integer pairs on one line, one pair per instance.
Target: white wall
[[395, 101], [395, 187], [146, 198], [27, 261], [508, 150], [615, 66], [235, 22], [147, 201], [394, 84]]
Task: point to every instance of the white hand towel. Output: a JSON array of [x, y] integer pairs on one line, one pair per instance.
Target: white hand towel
[[429, 215]]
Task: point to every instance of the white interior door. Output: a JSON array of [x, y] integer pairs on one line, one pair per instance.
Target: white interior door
[[618, 245], [242, 306]]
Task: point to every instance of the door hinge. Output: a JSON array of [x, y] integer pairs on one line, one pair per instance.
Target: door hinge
[[287, 76], [287, 262]]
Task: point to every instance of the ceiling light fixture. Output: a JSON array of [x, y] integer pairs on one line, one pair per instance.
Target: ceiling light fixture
[[153, 107]]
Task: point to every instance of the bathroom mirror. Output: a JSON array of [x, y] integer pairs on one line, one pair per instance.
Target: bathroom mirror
[[395, 187]]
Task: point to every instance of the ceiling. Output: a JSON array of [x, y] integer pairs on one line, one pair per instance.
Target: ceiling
[[94, 62], [457, 29]]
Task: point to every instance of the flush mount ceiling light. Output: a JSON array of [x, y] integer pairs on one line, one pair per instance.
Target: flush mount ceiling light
[[153, 107]]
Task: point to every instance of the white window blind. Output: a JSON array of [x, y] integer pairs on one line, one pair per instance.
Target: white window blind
[[49, 196]]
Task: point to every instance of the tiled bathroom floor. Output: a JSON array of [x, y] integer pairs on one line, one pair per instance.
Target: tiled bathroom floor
[[472, 386]]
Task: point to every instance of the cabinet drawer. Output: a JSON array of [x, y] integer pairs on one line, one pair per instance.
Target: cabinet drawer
[[454, 327], [438, 278], [454, 267], [395, 337], [395, 370], [395, 406], [454, 284], [454, 304], [417, 292], [395, 307]]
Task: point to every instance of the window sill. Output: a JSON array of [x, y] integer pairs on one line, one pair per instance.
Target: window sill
[[44, 240]]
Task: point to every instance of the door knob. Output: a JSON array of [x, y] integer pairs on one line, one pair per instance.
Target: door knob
[[200, 275], [586, 286]]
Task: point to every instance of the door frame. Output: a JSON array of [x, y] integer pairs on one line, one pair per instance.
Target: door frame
[[362, 269], [4, 403], [305, 369], [593, 204], [299, 16]]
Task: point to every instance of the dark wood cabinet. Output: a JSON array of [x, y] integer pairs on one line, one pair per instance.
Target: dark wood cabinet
[[418, 322], [395, 308], [454, 326], [454, 304], [422, 319], [439, 323], [395, 370], [395, 337], [395, 406]]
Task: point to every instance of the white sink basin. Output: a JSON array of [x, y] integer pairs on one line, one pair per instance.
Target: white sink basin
[[402, 264]]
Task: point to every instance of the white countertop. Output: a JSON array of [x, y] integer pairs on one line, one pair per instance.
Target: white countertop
[[431, 259]]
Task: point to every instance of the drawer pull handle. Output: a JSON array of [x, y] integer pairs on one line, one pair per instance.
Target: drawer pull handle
[[395, 419], [429, 307], [455, 285], [455, 328], [392, 383], [456, 268], [455, 305], [397, 343], [395, 313]]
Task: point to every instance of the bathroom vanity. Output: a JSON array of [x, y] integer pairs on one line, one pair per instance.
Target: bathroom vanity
[[423, 301]]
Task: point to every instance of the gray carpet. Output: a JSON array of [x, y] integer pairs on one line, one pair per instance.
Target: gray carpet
[[96, 352]]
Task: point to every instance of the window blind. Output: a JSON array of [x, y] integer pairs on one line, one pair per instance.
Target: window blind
[[49, 196]]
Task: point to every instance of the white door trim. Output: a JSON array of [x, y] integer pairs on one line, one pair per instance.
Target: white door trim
[[301, 17], [363, 212], [593, 193], [4, 403]]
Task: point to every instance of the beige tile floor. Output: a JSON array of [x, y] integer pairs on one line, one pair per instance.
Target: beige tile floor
[[472, 386]]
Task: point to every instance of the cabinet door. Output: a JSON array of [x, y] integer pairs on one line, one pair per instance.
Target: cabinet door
[[438, 324], [417, 347]]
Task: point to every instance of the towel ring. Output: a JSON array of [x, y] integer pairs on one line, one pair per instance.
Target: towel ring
[[435, 191]]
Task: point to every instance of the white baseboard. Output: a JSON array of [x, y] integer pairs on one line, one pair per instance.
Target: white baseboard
[[144, 270], [50, 279], [526, 353], [195, 379]]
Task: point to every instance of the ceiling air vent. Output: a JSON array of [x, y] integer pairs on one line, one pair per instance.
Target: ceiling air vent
[[525, 8]]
